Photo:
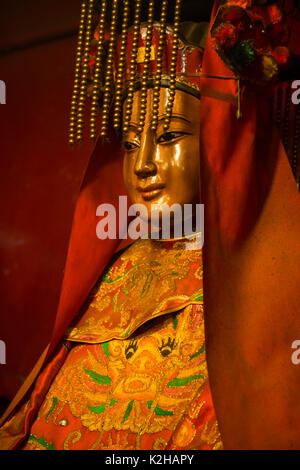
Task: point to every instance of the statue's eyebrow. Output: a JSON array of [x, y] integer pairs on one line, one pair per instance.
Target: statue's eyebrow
[[135, 126], [174, 116], [132, 124]]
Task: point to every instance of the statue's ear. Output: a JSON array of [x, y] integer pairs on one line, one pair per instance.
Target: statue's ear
[[194, 34]]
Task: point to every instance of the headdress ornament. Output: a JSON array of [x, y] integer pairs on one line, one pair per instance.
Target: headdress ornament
[[125, 45], [129, 51]]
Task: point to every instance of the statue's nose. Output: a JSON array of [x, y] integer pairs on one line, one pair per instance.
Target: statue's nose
[[145, 162]]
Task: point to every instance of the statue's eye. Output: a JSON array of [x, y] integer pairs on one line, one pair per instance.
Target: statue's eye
[[169, 136], [130, 349], [167, 347], [129, 146]]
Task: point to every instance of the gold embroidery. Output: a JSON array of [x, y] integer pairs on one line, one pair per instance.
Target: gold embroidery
[[138, 287], [195, 409], [143, 385], [210, 435], [118, 443], [159, 444], [74, 437], [185, 433], [151, 382]]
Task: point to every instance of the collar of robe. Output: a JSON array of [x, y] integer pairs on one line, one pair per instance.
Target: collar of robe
[[149, 279]]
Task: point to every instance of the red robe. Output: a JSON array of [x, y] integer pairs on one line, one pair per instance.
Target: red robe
[[132, 373]]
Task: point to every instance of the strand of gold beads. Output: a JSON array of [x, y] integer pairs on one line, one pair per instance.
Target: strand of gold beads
[[134, 50], [109, 70], [148, 43], [97, 71], [85, 69], [159, 65], [77, 75], [173, 65], [120, 72]]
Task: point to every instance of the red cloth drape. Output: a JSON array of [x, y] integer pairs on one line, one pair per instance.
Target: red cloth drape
[[251, 264]]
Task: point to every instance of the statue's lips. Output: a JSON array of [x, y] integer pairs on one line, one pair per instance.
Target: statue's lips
[[150, 191]]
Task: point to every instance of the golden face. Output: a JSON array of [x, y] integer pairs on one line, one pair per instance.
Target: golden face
[[164, 167]]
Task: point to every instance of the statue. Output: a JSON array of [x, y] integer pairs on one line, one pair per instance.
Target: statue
[[131, 371]]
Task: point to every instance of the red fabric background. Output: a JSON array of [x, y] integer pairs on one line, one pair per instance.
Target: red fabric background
[[40, 180]]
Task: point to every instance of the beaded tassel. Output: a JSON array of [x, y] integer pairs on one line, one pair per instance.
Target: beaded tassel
[[120, 72], [109, 71], [74, 101], [173, 65], [159, 65], [135, 40], [85, 69], [143, 99], [97, 71]]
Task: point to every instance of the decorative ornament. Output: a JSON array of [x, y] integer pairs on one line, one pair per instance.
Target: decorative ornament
[[226, 35], [125, 54], [250, 37], [242, 54]]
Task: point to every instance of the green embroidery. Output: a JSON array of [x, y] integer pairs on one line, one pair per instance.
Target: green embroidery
[[107, 281], [201, 350], [147, 284], [136, 276], [54, 404], [100, 379], [159, 411], [128, 411], [114, 280], [175, 322], [126, 332], [115, 299], [105, 349], [41, 441], [174, 273], [97, 409], [184, 381], [100, 408], [198, 299]]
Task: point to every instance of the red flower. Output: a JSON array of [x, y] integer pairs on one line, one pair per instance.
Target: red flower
[[237, 17], [226, 35], [281, 55]]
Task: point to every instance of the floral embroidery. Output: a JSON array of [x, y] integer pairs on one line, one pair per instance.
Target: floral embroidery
[[121, 383], [143, 385], [137, 377], [40, 443], [148, 280]]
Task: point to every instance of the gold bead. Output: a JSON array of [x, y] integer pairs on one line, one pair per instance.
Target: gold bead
[[132, 68], [157, 79]]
